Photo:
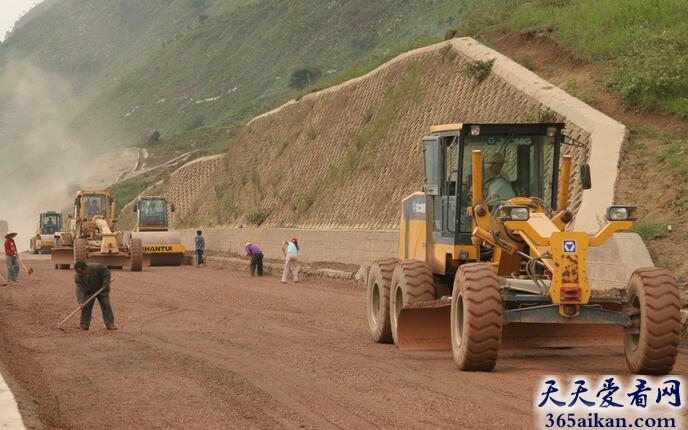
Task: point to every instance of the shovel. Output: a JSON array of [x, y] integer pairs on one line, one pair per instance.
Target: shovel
[[29, 270], [59, 326]]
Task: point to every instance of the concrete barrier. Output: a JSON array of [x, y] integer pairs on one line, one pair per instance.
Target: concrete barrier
[[10, 418]]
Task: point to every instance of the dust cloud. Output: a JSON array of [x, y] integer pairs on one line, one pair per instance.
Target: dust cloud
[[42, 163]]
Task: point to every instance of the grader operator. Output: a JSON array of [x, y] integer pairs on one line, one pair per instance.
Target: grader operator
[[161, 247], [479, 270], [91, 236]]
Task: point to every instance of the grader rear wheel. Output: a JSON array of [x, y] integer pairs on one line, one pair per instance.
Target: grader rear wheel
[[379, 282], [476, 317], [80, 250], [651, 343], [411, 283], [136, 249]]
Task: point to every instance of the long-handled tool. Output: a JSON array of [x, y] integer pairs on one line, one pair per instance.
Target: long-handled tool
[[29, 270], [81, 306], [4, 281]]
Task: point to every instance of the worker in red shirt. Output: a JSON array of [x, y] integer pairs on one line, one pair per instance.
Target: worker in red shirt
[[11, 257]]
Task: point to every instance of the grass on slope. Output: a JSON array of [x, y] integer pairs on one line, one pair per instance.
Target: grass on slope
[[644, 42], [238, 63]]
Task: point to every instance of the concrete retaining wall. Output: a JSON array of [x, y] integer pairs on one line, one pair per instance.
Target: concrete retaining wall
[[348, 247]]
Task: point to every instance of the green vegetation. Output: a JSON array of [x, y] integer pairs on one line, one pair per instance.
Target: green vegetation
[[124, 192], [258, 216], [478, 69], [650, 229], [643, 41]]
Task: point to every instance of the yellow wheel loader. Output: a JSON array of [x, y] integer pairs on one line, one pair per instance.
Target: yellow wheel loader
[[161, 247], [43, 241], [91, 236], [486, 262]]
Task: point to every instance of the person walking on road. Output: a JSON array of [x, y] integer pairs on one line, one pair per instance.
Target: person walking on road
[[256, 258], [89, 279], [290, 249], [11, 257], [200, 248]]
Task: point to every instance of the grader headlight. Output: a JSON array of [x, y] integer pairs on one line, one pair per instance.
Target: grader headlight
[[621, 213], [515, 213]]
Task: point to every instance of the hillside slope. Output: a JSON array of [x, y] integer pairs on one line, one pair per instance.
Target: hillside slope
[[345, 157]]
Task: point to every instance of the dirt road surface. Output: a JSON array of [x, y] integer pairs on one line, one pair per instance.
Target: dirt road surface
[[214, 349]]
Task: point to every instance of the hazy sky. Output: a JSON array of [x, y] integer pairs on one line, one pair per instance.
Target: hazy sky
[[11, 10]]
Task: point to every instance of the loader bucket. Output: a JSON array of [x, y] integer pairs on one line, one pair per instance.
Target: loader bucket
[[424, 326], [62, 256]]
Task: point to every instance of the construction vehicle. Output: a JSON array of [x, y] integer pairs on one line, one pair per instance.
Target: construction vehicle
[[161, 247], [485, 265], [91, 236], [43, 241]]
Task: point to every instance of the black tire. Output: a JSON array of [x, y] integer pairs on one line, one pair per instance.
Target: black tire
[[136, 249], [411, 283], [64, 266], [58, 267], [379, 282], [80, 250], [476, 317], [651, 344]]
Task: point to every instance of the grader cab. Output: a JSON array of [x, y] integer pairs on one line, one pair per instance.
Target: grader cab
[[161, 247], [91, 236], [486, 262]]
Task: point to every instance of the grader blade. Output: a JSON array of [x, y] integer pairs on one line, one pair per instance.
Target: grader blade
[[424, 326], [60, 256], [535, 335], [110, 260]]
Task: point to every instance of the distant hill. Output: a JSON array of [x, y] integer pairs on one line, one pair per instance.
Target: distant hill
[[177, 65]]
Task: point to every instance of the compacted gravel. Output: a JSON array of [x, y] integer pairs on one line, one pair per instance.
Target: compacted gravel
[[213, 349]]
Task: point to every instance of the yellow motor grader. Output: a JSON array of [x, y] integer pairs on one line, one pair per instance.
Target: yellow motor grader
[[161, 247], [91, 236], [486, 262], [43, 241]]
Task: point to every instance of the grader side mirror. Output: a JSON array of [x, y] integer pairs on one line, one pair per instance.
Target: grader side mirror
[[586, 181]]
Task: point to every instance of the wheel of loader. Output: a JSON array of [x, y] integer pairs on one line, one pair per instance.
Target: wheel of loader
[[411, 283], [651, 344], [476, 317], [136, 249], [80, 250], [379, 282]]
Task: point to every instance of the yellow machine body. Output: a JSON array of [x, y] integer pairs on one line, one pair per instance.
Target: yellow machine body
[[161, 247], [445, 230], [91, 236]]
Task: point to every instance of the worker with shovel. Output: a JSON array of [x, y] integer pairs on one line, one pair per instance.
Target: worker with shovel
[[11, 257], [91, 279]]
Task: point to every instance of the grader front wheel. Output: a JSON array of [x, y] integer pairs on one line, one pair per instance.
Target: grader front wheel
[[379, 282], [411, 283], [476, 317], [651, 343]]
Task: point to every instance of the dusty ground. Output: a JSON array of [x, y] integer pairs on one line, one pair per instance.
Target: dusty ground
[[208, 348]]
